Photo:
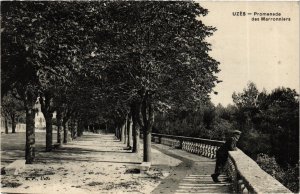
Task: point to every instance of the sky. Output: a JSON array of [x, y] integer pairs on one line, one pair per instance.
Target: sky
[[265, 52]]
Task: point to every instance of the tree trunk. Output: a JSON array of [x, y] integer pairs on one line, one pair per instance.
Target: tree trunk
[[65, 126], [148, 117], [6, 125], [135, 110], [48, 118], [119, 132], [30, 136], [47, 110], [71, 128], [136, 137], [75, 129], [147, 145], [129, 132], [79, 128], [125, 131], [59, 126], [13, 123], [122, 133]]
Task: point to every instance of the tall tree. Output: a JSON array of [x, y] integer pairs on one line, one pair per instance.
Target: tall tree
[[36, 52], [19, 51], [247, 106]]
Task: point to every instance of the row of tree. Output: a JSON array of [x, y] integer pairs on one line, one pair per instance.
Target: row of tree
[[104, 62]]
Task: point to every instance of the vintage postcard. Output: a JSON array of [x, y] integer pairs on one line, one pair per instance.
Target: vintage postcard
[[149, 97]]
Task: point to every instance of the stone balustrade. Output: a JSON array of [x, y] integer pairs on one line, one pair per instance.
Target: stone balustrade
[[199, 146], [248, 177], [245, 174]]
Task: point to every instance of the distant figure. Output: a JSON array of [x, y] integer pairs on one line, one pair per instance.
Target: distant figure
[[222, 153]]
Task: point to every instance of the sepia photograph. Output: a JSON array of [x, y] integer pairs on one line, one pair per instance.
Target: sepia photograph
[[160, 97]]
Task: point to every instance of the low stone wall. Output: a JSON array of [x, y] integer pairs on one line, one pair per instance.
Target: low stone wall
[[248, 177], [199, 146]]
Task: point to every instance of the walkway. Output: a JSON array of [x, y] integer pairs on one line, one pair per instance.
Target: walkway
[[98, 163], [191, 176]]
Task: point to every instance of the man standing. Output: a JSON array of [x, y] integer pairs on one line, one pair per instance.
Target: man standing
[[222, 153]]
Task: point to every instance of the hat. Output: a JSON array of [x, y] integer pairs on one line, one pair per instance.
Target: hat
[[237, 132]]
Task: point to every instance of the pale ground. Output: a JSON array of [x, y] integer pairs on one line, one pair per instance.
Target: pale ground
[[94, 163]]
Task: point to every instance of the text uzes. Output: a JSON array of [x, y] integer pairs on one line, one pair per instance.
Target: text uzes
[[239, 13]]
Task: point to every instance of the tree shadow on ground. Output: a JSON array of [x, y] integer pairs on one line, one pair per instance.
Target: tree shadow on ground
[[75, 151]]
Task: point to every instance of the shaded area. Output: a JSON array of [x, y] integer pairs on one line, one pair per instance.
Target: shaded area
[[89, 148], [13, 145]]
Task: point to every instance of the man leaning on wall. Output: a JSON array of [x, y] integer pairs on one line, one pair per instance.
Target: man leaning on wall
[[222, 153]]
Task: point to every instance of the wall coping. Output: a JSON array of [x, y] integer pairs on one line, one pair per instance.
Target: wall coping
[[254, 178], [194, 139]]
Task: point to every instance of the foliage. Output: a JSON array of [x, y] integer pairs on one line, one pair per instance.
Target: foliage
[[288, 177], [275, 115], [248, 98], [147, 58], [269, 165], [269, 123], [254, 142], [11, 107], [205, 122]]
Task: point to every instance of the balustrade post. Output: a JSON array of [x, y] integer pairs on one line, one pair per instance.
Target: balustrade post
[[183, 145], [209, 151], [205, 150], [215, 148], [232, 174], [201, 149], [245, 190], [241, 186], [197, 148], [180, 143]]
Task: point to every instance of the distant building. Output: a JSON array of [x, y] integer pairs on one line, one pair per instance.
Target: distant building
[[39, 119]]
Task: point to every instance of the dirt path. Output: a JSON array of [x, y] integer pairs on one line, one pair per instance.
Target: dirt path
[[98, 163], [94, 163]]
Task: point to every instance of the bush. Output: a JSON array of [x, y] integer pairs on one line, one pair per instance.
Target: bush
[[253, 143], [220, 128], [291, 178], [288, 177], [269, 165]]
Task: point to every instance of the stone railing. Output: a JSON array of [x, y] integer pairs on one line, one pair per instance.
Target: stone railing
[[248, 177], [203, 147], [245, 174]]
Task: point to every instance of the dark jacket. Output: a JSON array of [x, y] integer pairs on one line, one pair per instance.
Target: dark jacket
[[229, 145]]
